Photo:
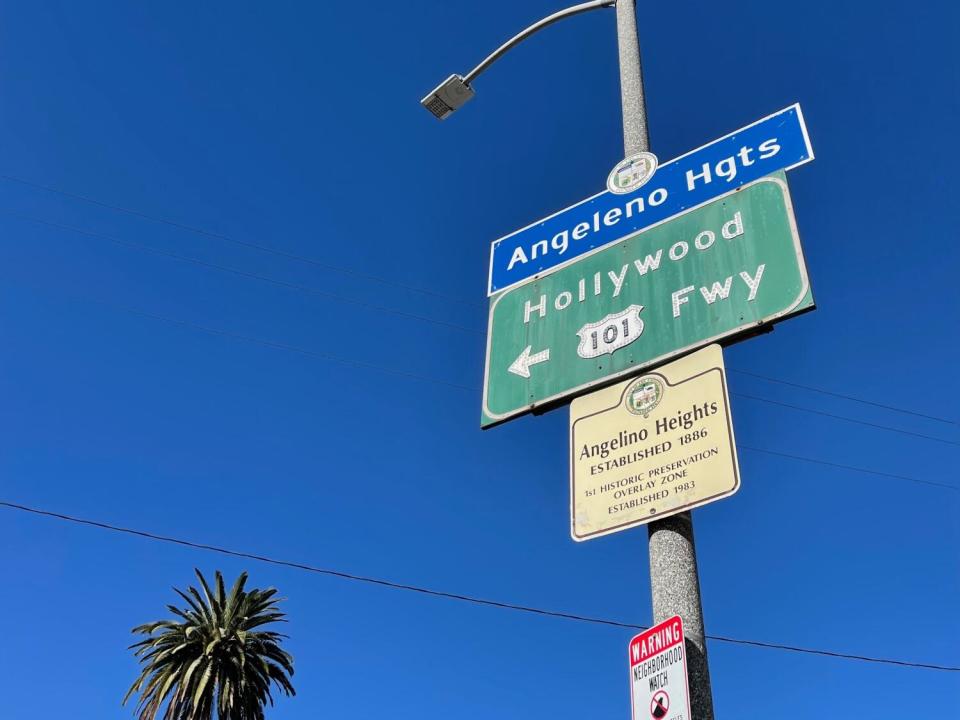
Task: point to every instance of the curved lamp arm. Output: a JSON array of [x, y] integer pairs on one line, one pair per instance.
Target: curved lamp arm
[[536, 27], [455, 90]]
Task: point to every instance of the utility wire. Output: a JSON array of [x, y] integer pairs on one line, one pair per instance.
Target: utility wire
[[349, 362], [355, 273], [241, 273], [428, 378], [845, 418], [452, 596], [217, 332], [302, 351], [841, 395], [243, 243], [853, 468], [411, 316]]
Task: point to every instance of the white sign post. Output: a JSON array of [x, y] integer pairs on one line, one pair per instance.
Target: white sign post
[[658, 673]]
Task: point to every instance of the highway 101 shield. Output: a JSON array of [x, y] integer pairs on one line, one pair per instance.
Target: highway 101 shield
[[652, 446]]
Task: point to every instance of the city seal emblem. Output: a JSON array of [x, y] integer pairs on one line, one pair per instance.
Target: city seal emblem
[[644, 395], [631, 173]]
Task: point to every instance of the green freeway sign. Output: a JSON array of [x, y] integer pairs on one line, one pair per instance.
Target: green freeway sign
[[718, 270]]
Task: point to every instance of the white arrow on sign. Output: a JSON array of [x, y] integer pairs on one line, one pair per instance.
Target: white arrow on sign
[[521, 366]]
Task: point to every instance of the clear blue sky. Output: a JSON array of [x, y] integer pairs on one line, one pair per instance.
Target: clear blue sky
[[297, 126]]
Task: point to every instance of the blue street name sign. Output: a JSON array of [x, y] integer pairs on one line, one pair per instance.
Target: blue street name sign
[[777, 142]]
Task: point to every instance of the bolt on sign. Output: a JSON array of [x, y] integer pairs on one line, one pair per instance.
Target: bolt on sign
[[658, 673], [716, 271], [652, 446]]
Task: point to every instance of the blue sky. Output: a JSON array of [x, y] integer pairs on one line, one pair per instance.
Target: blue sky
[[296, 127]]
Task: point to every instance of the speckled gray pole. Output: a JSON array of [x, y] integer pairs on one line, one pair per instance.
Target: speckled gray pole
[[635, 137], [676, 591], [674, 581]]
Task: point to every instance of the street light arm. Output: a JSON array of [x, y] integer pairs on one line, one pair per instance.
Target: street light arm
[[453, 92], [537, 26]]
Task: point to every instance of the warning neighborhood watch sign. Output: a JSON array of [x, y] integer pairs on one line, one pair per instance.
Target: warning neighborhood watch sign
[[658, 673]]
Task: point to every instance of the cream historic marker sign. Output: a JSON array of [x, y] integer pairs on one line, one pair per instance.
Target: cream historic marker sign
[[652, 446]]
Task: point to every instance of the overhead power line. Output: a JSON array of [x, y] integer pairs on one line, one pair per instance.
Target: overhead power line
[[349, 362], [302, 351], [852, 468], [852, 398], [241, 273], [426, 378], [845, 418], [413, 316], [453, 596], [235, 241], [350, 271]]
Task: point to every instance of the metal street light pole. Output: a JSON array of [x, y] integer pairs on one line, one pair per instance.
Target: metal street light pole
[[635, 136], [674, 580]]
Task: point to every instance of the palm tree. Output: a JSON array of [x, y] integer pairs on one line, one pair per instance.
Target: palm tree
[[213, 657]]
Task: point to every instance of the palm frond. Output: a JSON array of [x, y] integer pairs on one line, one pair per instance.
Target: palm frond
[[210, 660]]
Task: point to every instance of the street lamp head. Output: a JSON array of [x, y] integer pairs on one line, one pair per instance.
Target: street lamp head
[[447, 97]]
